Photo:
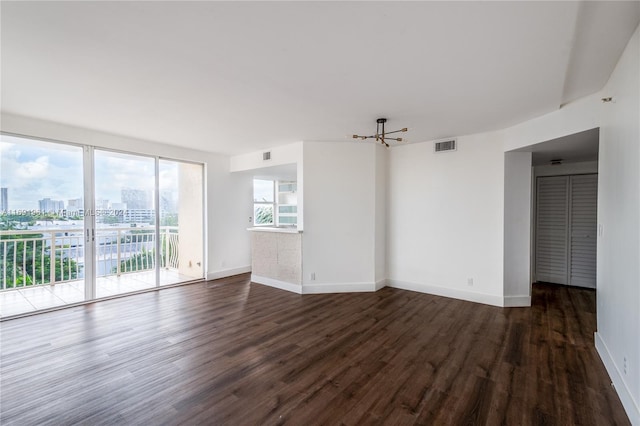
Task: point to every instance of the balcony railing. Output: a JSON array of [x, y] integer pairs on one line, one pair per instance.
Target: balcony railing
[[46, 257]]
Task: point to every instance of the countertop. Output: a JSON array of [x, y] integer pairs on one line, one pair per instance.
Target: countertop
[[284, 230]]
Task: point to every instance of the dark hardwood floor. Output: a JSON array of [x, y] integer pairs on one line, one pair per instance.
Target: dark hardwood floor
[[227, 352]]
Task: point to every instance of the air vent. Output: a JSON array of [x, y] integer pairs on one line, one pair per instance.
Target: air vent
[[266, 155], [445, 146]]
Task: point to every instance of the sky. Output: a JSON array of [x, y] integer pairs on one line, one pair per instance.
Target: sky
[[263, 190], [33, 170]]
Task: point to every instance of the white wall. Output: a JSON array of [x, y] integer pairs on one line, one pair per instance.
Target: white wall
[[445, 222], [517, 228], [380, 211], [230, 204], [618, 283], [340, 201], [578, 116], [228, 197], [285, 154]]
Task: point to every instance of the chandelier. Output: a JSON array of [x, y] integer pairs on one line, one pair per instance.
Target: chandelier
[[381, 134]]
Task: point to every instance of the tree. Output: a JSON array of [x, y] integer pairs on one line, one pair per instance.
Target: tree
[[170, 219], [145, 259], [139, 262], [111, 219], [32, 263], [264, 215]]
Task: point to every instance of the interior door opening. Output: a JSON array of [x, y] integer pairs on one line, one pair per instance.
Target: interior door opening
[[565, 210]]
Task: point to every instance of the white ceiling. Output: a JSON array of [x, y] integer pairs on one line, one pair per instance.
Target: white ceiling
[[233, 77], [581, 146]]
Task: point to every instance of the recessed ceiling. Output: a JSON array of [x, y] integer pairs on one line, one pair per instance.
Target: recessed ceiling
[[233, 77], [283, 172], [577, 147]]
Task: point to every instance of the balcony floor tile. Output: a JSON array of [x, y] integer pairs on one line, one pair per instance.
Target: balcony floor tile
[[25, 300]]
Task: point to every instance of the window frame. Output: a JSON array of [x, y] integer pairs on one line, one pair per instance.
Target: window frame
[[273, 204]]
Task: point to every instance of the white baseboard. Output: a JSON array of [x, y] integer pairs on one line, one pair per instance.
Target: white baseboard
[[295, 288], [516, 301], [380, 284], [630, 406], [224, 273], [487, 299], [322, 288]]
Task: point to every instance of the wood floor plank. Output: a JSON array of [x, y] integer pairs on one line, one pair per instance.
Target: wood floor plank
[[233, 352]]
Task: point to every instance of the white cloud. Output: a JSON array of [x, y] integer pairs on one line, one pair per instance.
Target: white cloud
[[33, 169]]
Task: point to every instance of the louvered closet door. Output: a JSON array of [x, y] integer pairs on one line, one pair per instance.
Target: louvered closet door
[[552, 217], [583, 227]]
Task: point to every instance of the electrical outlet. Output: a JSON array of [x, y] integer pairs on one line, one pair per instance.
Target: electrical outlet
[[312, 276], [250, 219], [470, 282]]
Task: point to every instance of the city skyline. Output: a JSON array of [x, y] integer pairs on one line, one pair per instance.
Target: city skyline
[[33, 170]]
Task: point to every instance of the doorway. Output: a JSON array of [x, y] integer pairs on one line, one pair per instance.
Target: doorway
[[565, 209]]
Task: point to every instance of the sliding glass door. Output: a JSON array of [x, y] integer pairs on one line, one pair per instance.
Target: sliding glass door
[[79, 223], [181, 221], [42, 232], [125, 222]]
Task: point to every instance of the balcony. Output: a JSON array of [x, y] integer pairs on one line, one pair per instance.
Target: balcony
[[41, 269]]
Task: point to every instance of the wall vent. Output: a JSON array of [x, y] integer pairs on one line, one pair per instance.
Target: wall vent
[[445, 146], [266, 155]]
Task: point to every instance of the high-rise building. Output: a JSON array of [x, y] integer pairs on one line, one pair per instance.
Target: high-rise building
[[139, 215], [102, 204], [136, 199], [50, 206], [75, 204], [4, 199]]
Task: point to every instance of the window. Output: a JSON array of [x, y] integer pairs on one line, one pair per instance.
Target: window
[[274, 203], [263, 202], [287, 204]]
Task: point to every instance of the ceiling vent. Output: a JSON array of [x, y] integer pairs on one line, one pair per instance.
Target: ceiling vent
[[266, 156], [445, 146]]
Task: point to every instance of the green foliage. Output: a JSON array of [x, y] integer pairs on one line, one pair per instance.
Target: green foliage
[[9, 221], [32, 262], [264, 215], [145, 260], [142, 261], [170, 219], [110, 220]]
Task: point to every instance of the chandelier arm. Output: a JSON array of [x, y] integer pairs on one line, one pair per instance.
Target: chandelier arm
[[381, 134], [397, 131]]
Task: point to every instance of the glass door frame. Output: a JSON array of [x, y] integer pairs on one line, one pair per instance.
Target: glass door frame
[[89, 224], [203, 218], [89, 231]]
